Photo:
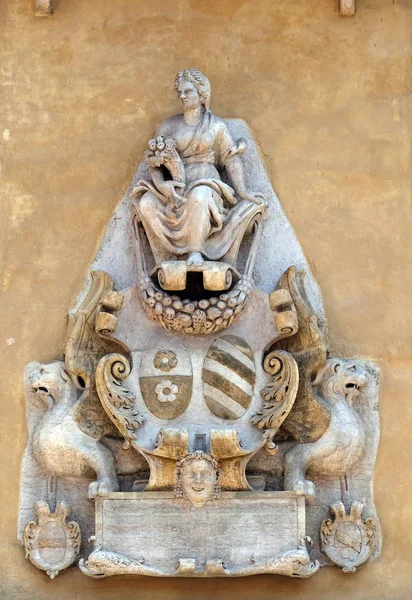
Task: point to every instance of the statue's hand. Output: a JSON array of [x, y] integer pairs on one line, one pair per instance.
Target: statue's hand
[[255, 197], [168, 189]]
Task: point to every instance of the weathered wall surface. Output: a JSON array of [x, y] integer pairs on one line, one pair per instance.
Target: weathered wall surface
[[327, 98]]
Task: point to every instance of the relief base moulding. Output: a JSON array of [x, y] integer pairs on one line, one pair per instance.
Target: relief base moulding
[[45, 8], [203, 389]]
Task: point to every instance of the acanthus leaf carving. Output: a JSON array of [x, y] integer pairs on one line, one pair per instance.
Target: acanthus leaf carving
[[117, 400], [278, 396]]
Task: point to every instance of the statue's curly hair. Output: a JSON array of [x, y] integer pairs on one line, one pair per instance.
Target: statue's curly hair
[[198, 455], [200, 82]]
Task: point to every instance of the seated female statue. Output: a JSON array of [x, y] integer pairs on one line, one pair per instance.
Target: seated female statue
[[186, 209]]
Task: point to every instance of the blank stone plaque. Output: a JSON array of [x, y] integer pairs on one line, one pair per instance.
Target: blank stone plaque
[[238, 528]]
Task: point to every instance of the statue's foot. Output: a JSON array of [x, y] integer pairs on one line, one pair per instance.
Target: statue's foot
[[102, 487], [303, 486], [195, 259]]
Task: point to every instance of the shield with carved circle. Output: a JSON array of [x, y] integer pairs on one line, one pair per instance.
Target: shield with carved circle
[[166, 380]]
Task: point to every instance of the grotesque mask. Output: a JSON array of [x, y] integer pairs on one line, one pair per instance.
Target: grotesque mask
[[197, 478]]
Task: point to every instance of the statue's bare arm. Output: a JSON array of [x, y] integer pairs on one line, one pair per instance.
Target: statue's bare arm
[[235, 173]]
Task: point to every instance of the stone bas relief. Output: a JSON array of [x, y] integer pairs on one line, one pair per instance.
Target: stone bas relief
[[197, 382]]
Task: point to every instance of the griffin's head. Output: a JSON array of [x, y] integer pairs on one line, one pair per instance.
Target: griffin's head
[[50, 382], [341, 378]]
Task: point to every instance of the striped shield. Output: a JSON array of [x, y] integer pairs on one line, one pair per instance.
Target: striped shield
[[229, 375]]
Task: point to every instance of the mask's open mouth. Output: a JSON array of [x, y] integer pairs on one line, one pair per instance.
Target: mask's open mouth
[[197, 489]]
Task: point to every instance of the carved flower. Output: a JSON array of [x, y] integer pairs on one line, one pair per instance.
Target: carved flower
[[166, 391], [165, 360]]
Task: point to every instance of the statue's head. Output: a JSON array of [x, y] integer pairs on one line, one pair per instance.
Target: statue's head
[[341, 378], [193, 88], [197, 478], [50, 381]]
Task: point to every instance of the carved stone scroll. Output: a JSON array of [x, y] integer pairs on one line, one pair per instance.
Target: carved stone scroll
[[171, 446], [278, 396], [293, 563], [225, 446], [346, 539], [52, 544], [90, 328], [117, 400], [284, 310]]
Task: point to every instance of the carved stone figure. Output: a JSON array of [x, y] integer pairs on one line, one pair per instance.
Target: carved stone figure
[[59, 446], [194, 220], [193, 212], [197, 478], [342, 445]]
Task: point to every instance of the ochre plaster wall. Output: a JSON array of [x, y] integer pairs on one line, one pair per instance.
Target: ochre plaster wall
[[328, 99]]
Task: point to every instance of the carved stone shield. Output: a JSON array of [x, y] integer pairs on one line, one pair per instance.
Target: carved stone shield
[[166, 380], [348, 540], [229, 376], [52, 544]]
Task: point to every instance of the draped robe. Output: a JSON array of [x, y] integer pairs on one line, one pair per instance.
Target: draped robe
[[211, 219]]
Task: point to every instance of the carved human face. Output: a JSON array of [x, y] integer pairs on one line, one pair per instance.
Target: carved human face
[[188, 95], [198, 478]]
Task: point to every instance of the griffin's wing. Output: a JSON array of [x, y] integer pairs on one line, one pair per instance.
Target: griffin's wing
[[88, 339], [309, 416]]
